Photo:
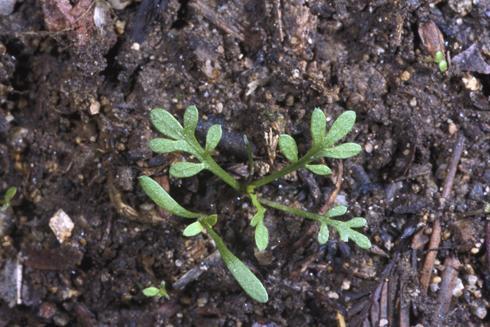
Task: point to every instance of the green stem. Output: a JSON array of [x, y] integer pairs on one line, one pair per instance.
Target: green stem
[[221, 173], [292, 211], [286, 170]]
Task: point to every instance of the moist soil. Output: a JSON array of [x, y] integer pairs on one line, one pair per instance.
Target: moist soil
[[77, 82]]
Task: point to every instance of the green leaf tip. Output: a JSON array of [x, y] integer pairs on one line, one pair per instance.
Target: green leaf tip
[[342, 151], [186, 169], [213, 137], [340, 128], [261, 236], [347, 233], [323, 233], [288, 147], [161, 145], [243, 275], [166, 124], [151, 291], [193, 229], [318, 126], [321, 170], [163, 199], [191, 118]]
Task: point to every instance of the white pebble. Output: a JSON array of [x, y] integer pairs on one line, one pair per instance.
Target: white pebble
[[61, 225]]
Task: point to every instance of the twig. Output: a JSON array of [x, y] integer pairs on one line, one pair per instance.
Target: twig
[[451, 267], [426, 272], [217, 19], [193, 274], [277, 7], [404, 307], [338, 184], [487, 244], [448, 183]]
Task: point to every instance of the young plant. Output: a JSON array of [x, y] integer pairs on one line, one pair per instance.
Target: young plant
[[157, 292], [7, 198], [324, 145]]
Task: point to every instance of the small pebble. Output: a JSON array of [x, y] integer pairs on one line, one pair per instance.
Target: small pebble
[[135, 46], [94, 108], [479, 311], [333, 295], [461, 7], [471, 83], [452, 128], [405, 76], [7, 7], [458, 288], [345, 284], [120, 26], [61, 225]]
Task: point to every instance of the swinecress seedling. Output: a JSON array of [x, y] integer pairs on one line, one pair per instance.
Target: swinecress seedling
[[183, 139]]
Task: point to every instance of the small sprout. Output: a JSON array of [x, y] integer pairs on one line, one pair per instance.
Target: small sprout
[[433, 42], [324, 145], [157, 292], [7, 198]]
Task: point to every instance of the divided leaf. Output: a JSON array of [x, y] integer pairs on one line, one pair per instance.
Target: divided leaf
[[318, 126], [161, 145], [213, 137], [261, 236], [342, 151], [191, 117], [337, 211], [186, 169], [166, 124], [321, 170], [347, 233], [193, 229], [340, 128], [245, 278], [163, 199], [323, 234], [288, 147]]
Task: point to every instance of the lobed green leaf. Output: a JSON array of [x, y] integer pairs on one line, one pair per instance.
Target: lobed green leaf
[[340, 128], [337, 211], [161, 145], [186, 169], [318, 126], [321, 170], [288, 147], [356, 222], [193, 229], [213, 137], [342, 151], [346, 233], [261, 236], [323, 234], [166, 124], [245, 278], [191, 118], [163, 199]]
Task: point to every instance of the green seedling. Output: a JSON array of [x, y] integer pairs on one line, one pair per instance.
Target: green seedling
[[7, 198], [157, 292], [440, 60], [180, 138]]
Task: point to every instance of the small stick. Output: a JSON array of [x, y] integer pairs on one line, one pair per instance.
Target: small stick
[[451, 267], [338, 184], [196, 272], [404, 307], [487, 244], [426, 272], [453, 165], [383, 304], [277, 7]]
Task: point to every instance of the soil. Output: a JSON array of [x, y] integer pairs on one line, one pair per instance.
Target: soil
[[75, 95]]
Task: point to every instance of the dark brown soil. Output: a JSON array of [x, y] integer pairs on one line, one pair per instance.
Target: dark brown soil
[[74, 127]]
